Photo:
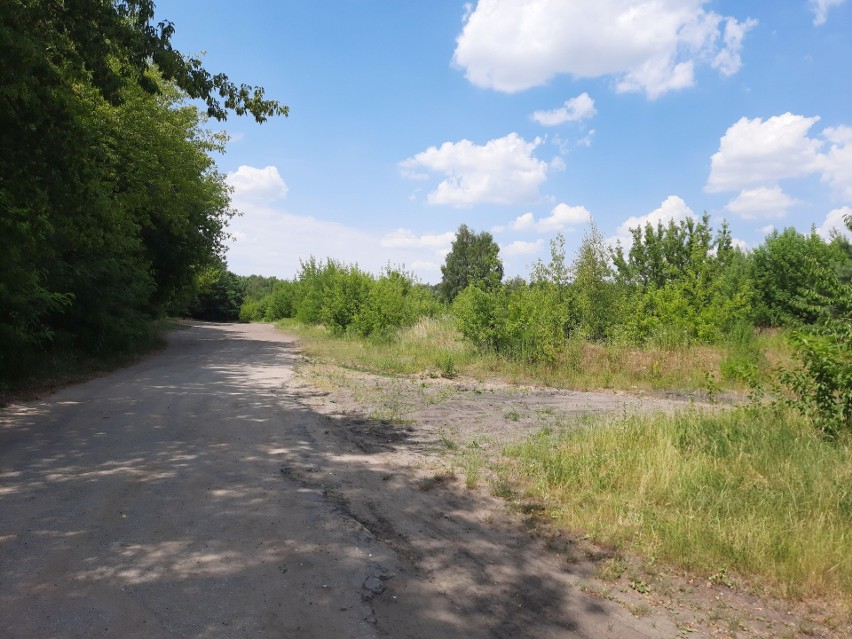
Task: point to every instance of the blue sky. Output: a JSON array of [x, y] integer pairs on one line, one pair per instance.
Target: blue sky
[[524, 118]]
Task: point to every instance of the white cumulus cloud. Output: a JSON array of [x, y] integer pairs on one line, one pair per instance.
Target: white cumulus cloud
[[269, 240], [250, 182], [837, 169], [525, 222], [646, 45], [740, 244], [756, 152], [560, 217], [587, 139], [766, 203], [405, 238], [580, 108], [821, 7], [835, 222], [760, 153], [421, 266], [502, 171], [520, 247], [673, 209], [728, 60]]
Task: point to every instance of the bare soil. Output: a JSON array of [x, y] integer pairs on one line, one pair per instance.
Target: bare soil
[[229, 487]]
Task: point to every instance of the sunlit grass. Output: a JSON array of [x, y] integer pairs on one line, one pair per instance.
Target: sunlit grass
[[754, 494], [433, 347], [758, 494]]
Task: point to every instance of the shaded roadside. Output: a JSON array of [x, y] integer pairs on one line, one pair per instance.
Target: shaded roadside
[[198, 493]]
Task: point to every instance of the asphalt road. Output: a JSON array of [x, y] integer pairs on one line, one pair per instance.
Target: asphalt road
[[197, 494]]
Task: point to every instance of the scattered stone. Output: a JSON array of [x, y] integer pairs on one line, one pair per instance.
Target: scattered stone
[[374, 585]]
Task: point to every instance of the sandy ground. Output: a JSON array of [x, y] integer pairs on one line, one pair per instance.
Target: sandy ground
[[213, 491]]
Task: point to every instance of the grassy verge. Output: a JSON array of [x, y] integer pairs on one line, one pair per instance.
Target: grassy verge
[[747, 495], [431, 347], [62, 366], [743, 492], [434, 347]]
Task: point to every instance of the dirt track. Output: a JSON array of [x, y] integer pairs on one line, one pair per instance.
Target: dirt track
[[207, 492]]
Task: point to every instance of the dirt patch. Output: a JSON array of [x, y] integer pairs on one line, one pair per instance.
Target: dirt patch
[[441, 437]]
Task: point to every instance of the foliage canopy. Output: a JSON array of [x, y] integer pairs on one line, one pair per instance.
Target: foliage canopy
[[111, 207], [473, 260]]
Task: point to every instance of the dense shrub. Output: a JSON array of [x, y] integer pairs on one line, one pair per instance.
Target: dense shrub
[[331, 294], [794, 274], [821, 388], [480, 317], [535, 324], [528, 323], [394, 301], [220, 296], [683, 286], [344, 299], [281, 302], [253, 310]]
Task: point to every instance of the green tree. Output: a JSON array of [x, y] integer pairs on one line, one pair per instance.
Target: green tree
[[394, 301], [110, 206], [110, 44], [596, 295], [683, 284], [257, 286], [557, 271], [481, 317], [662, 253], [794, 274], [220, 295], [473, 259]]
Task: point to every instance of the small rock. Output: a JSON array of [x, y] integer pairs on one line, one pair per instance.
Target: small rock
[[374, 585]]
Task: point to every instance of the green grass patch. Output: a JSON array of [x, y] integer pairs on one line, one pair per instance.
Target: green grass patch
[[755, 493], [432, 346]]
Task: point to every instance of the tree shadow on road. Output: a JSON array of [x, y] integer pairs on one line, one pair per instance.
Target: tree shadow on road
[[197, 494]]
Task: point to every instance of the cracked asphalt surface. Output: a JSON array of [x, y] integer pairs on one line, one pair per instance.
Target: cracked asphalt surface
[[198, 494]]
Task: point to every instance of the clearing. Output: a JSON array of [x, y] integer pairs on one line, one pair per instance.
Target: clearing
[[229, 487]]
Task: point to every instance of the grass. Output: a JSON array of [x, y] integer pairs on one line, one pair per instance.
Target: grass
[[434, 348], [740, 496], [474, 461], [60, 367], [755, 494]]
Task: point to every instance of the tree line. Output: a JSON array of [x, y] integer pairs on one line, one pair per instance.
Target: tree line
[[674, 285], [111, 207]]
